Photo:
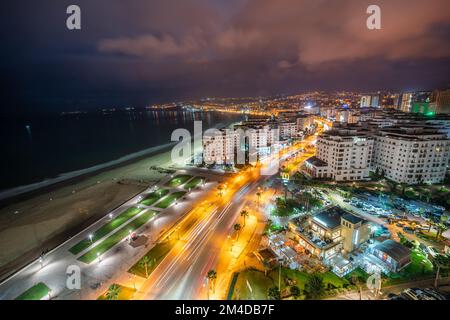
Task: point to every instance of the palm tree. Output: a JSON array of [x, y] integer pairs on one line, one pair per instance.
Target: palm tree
[[220, 188], [316, 288], [244, 214], [146, 262], [237, 227], [274, 293], [113, 292], [212, 276]]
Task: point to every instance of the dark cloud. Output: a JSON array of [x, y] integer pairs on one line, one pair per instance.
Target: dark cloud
[[140, 51]]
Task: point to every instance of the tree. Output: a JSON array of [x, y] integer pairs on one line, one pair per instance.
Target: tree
[[440, 261], [220, 189], [274, 293], [258, 194], [315, 287], [244, 214], [295, 291], [145, 263], [113, 292], [212, 276], [237, 227]]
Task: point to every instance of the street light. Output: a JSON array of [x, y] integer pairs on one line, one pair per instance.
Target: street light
[[110, 216], [91, 237]]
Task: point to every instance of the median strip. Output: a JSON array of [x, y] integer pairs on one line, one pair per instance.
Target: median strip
[[115, 238]]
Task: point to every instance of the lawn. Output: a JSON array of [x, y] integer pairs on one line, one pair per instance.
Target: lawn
[[168, 200], [261, 284], [115, 238], [178, 180], [156, 255], [126, 293], [36, 292], [154, 196], [193, 183], [105, 229]]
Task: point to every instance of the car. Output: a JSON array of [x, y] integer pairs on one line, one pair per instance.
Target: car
[[408, 230], [421, 294]]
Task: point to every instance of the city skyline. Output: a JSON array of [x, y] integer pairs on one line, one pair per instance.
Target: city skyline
[[163, 51]]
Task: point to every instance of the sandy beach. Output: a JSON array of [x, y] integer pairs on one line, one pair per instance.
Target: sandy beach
[[49, 217]]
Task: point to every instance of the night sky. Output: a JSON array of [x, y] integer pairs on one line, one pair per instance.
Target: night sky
[[132, 53]]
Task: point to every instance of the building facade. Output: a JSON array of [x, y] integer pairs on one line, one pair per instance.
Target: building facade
[[411, 155]]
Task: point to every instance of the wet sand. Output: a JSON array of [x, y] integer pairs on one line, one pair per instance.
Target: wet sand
[[50, 216]]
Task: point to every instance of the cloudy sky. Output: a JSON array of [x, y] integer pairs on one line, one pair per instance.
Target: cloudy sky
[[137, 52]]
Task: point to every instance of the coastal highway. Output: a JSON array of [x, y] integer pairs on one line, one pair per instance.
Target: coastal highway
[[182, 274]]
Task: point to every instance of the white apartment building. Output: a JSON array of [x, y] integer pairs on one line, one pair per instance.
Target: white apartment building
[[365, 101], [220, 147], [343, 155], [412, 154], [287, 129]]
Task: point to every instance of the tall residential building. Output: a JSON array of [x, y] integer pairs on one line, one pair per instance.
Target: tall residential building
[[220, 147], [411, 154], [287, 129], [343, 155], [440, 101], [365, 101], [375, 101], [406, 102]]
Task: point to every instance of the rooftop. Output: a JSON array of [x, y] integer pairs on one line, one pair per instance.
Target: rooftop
[[394, 249], [353, 219], [330, 218], [316, 162]]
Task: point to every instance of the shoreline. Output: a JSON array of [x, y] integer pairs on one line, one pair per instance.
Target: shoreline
[[73, 179], [48, 216]]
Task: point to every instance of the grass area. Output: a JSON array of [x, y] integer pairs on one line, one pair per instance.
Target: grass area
[[178, 180], [260, 283], [359, 274], [125, 293], [154, 196], [115, 238], [168, 200], [36, 292], [193, 183], [420, 267], [155, 255], [105, 229]]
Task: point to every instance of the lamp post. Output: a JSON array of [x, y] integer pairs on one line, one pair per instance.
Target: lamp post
[[91, 237]]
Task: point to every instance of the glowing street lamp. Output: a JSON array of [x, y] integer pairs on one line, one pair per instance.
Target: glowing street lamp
[[91, 237], [110, 216]]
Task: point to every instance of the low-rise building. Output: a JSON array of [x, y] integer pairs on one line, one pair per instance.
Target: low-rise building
[[330, 232], [394, 255]]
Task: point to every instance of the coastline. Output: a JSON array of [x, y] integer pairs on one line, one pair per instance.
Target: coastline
[[49, 215], [25, 192]]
